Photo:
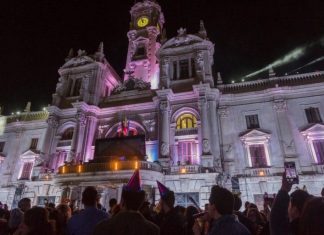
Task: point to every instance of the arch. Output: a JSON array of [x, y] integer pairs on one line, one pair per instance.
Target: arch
[[65, 126], [133, 125], [184, 110]]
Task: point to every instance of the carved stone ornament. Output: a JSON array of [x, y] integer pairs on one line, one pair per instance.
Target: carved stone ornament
[[52, 121], [202, 102], [81, 118], [206, 147], [280, 105], [164, 149], [164, 105], [165, 67], [223, 112], [200, 61]]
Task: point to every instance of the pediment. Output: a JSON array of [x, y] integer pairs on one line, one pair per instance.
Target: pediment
[[313, 128], [255, 133], [187, 39], [78, 61], [29, 153]]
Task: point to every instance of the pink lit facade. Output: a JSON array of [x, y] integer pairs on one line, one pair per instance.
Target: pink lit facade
[[198, 131]]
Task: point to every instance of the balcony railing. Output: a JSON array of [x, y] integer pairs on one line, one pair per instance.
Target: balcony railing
[[185, 169], [109, 166], [263, 172], [189, 131], [64, 143]]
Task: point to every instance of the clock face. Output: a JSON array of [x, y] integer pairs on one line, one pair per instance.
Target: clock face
[[142, 21]]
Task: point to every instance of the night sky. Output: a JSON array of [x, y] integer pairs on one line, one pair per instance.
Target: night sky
[[35, 37]]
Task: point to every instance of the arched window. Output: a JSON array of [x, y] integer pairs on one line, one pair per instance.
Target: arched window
[[186, 121], [68, 134]]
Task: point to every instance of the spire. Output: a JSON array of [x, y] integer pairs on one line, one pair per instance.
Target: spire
[[27, 108], [202, 30], [70, 55], [271, 72], [134, 184], [99, 55], [219, 79]]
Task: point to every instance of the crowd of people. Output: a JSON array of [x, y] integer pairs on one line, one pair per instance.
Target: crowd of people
[[298, 213]]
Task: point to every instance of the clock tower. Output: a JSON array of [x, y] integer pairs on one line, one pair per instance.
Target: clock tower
[[144, 41]]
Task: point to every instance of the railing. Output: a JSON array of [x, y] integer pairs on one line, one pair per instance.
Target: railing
[[64, 143], [189, 131], [109, 166], [186, 169], [263, 172]]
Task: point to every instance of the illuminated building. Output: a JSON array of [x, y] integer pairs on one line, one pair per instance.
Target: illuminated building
[[198, 131]]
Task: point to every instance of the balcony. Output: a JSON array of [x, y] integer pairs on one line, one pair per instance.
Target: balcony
[[109, 166], [189, 131], [185, 169], [263, 172], [64, 143]]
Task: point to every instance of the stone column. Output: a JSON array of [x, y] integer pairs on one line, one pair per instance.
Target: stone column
[[80, 123], [48, 145], [214, 138], [286, 138], [89, 134], [164, 128]]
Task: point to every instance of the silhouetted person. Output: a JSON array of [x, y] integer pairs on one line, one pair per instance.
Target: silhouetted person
[[128, 221], [17, 214], [85, 221], [221, 204]]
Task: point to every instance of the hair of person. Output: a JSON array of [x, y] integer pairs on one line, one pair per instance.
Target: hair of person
[[190, 211], [133, 200], [222, 199], [36, 219], [312, 217], [298, 199], [89, 196], [237, 202], [112, 202], [2, 213], [169, 199], [23, 202]]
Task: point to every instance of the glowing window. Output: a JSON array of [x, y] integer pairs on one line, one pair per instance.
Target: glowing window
[[186, 121]]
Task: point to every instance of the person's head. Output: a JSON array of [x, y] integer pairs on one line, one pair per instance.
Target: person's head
[[2, 213], [322, 192], [51, 205], [312, 217], [89, 196], [65, 211], [190, 211], [246, 204], [254, 215], [24, 204], [145, 208], [297, 201], [37, 221], [180, 210], [112, 203], [167, 201], [132, 200], [237, 202], [221, 202]]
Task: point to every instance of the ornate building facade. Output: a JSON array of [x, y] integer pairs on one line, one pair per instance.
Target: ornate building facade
[[198, 131]]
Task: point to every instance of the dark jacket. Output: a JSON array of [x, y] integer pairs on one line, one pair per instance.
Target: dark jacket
[[171, 223], [228, 225], [279, 221], [246, 222], [126, 223]]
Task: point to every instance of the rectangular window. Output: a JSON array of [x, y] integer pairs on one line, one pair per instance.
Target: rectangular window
[[252, 121], [175, 70], [182, 199], [313, 115], [2, 144], [319, 151], [193, 68], [77, 87], [33, 145], [258, 155], [187, 151], [140, 53], [26, 171], [184, 69]]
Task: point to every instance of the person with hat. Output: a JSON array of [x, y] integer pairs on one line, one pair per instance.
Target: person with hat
[[169, 221], [129, 221]]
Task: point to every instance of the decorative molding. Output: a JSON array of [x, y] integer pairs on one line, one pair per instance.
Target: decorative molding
[[280, 105]]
